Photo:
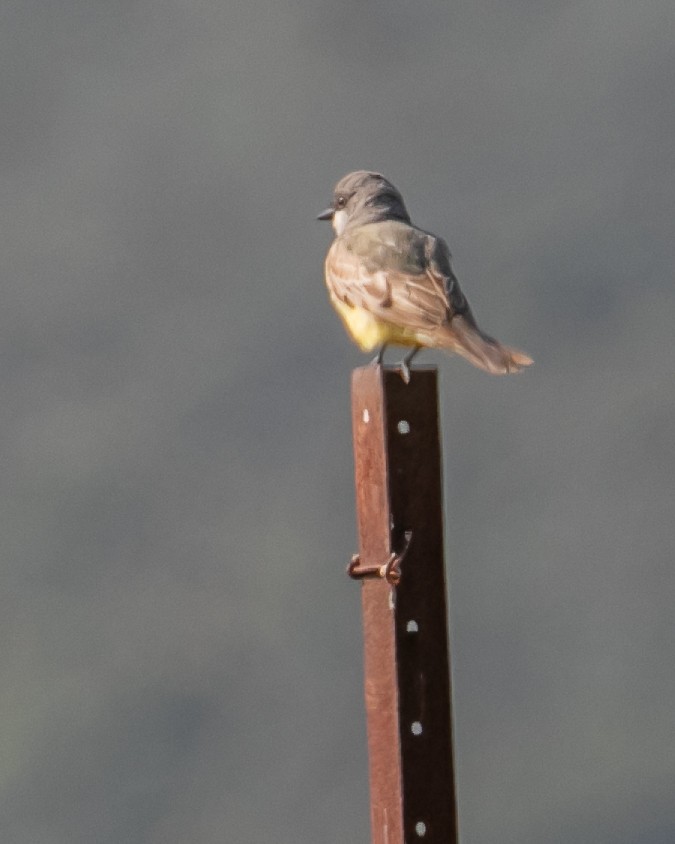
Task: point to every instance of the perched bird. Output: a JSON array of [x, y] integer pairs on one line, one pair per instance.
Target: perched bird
[[392, 283]]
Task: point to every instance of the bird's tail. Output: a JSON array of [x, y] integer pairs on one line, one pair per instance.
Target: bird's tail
[[483, 351]]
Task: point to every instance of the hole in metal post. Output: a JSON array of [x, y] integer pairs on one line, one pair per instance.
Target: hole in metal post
[[416, 728], [366, 416], [411, 626], [420, 829], [403, 427]]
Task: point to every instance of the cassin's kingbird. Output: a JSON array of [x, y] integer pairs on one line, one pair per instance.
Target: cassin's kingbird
[[391, 282]]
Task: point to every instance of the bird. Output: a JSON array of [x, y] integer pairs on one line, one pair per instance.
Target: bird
[[392, 283]]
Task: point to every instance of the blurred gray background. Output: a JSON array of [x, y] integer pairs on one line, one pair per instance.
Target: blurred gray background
[[181, 648]]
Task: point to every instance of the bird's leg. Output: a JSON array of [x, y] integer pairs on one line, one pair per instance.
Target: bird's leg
[[404, 366], [377, 360]]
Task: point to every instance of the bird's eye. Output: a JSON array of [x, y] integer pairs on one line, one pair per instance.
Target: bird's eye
[[340, 201]]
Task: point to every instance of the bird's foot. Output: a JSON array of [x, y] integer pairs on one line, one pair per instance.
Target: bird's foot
[[379, 357], [404, 365]]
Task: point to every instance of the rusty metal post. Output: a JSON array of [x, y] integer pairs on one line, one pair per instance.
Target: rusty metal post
[[407, 678]]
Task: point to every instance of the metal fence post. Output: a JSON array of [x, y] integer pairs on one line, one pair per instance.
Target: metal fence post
[[407, 677]]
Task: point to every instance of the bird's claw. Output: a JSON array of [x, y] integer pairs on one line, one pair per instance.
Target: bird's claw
[[404, 365], [379, 357]]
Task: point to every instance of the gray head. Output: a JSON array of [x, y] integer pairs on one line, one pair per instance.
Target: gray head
[[362, 197]]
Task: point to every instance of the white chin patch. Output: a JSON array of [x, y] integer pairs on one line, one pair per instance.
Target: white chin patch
[[340, 221]]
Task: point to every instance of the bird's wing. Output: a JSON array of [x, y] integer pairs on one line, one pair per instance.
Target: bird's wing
[[440, 270], [399, 274]]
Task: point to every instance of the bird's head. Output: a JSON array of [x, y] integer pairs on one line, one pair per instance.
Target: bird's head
[[363, 197]]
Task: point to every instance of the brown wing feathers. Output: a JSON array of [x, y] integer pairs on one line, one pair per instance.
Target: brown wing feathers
[[430, 300]]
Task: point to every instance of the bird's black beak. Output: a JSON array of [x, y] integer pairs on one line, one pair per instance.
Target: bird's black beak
[[327, 214]]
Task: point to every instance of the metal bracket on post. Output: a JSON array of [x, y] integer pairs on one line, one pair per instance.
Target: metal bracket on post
[[407, 676], [389, 570]]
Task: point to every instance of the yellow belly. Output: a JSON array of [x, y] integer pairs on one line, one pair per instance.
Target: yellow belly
[[370, 333]]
